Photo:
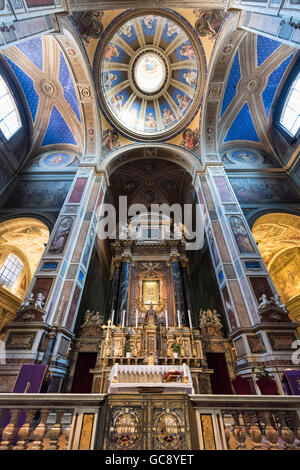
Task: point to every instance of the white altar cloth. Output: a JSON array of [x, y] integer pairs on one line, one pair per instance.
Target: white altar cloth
[[132, 377]]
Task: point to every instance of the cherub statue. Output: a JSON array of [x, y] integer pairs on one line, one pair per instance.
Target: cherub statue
[[216, 318], [264, 300], [92, 319], [28, 301], [278, 302], [39, 303], [208, 316], [87, 317]]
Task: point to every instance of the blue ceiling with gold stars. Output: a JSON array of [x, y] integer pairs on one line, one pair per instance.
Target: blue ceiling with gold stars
[[253, 80], [47, 83]]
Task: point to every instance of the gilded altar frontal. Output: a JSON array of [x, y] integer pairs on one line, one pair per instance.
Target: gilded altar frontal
[[149, 227]]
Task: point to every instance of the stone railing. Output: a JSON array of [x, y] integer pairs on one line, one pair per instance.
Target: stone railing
[[246, 422], [71, 421], [48, 422]]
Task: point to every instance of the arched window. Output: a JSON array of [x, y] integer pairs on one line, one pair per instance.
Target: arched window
[[290, 116], [10, 120], [10, 271]]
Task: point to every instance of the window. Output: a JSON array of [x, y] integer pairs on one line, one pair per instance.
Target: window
[[290, 117], [9, 117], [10, 271]]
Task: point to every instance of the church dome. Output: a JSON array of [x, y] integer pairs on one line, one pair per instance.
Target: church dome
[[150, 74]]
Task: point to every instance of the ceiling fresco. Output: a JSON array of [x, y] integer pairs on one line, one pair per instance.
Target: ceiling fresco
[[149, 76], [151, 181], [256, 72], [149, 73], [47, 83]]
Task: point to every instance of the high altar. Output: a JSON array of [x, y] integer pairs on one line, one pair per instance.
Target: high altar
[[152, 325]]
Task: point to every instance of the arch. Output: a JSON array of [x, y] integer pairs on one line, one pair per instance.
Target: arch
[[278, 239], [228, 40], [46, 218], [26, 238], [170, 152]]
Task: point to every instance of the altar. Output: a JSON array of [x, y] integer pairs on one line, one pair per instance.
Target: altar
[[152, 378]]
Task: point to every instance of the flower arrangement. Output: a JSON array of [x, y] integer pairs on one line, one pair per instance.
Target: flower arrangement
[[127, 348], [261, 372], [176, 347]]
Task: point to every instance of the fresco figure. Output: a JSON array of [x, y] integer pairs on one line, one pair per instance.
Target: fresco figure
[[213, 247], [241, 235], [172, 28], [110, 140], [116, 103], [90, 25], [61, 235], [191, 78], [148, 20], [190, 138], [168, 117], [183, 101], [150, 122], [187, 51], [126, 29], [111, 51], [108, 78], [131, 118], [208, 23]]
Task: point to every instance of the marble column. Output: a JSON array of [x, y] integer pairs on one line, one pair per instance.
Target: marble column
[[61, 274], [123, 291], [113, 303], [241, 274], [178, 290], [187, 290]]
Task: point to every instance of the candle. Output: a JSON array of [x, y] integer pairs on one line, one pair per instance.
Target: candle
[[167, 323], [112, 317], [178, 316], [123, 319], [136, 319], [190, 319]]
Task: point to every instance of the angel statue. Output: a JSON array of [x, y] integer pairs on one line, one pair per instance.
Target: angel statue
[[39, 303], [92, 319], [208, 316], [28, 301]]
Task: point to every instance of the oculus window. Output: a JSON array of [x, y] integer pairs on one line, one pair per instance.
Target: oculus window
[[9, 117], [290, 116]]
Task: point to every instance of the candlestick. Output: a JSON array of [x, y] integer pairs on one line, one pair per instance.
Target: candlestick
[[167, 322], [136, 319], [190, 319], [178, 316], [112, 317], [123, 319]]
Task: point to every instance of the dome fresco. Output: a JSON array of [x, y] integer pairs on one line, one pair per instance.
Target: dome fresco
[[149, 77]]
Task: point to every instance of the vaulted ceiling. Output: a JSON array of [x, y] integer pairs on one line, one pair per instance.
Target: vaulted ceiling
[[255, 71]]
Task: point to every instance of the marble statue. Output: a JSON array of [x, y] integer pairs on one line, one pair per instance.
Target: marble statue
[[92, 319], [39, 303], [28, 301], [209, 316]]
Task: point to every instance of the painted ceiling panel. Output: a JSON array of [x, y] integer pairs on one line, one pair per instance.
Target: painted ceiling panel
[[33, 49], [67, 84], [273, 82], [26, 83], [58, 131], [149, 75], [242, 127], [265, 47], [233, 79]]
